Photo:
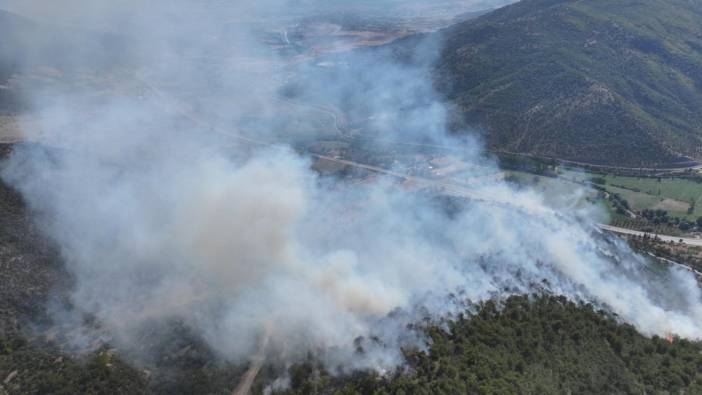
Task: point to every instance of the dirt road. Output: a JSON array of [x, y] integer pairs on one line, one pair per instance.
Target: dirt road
[[244, 387]]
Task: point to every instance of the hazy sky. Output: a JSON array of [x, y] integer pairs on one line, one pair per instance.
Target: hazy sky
[[69, 12]]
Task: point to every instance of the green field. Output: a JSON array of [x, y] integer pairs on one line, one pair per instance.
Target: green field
[[564, 194], [674, 195], [551, 187]]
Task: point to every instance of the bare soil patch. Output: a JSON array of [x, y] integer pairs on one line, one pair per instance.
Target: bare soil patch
[[672, 205]]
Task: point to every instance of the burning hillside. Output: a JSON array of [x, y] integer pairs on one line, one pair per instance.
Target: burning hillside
[[179, 202]]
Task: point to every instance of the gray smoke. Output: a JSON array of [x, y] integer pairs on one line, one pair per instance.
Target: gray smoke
[[165, 210]]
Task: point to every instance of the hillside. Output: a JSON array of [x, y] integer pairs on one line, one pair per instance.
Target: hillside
[[531, 345], [543, 345], [595, 81]]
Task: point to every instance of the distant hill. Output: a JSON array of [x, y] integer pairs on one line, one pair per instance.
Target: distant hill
[[12, 27], [597, 81], [8, 25], [25, 44]]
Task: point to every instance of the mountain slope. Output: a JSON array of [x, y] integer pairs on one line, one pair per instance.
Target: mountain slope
[[542, 345], [593, 81]]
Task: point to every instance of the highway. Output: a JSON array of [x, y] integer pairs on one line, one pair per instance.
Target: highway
[[670, 168], [623, 231]]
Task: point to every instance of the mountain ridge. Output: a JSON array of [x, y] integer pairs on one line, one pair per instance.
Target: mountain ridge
[[593, 82]]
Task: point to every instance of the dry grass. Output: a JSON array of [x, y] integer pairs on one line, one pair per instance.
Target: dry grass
[[672, 205], [9, 130], [15, 129]]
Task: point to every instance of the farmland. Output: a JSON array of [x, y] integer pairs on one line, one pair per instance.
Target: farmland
[[680, 197]]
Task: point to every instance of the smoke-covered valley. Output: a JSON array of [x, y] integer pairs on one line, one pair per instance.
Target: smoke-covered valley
[[183, 171]]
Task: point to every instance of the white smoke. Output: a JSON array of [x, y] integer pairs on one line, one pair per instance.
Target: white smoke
[[162, 215]]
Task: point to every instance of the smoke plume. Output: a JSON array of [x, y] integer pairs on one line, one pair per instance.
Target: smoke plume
[[177, 184]]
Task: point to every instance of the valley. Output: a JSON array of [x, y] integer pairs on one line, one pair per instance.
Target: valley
[[350, 198]]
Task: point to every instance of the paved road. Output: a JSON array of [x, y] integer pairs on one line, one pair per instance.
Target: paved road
[[686, 166], [458, 189], [682, 168], [666, 238]]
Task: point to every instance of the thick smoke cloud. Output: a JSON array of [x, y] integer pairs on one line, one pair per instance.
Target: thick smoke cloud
[[163, 213]]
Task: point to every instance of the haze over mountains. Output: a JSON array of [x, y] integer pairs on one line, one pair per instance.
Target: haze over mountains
[[596, 82], [28, 46]]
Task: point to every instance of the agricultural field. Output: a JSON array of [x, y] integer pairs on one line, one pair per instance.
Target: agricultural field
[[668, 206], [549, 186], [678, 196], [565, 194]]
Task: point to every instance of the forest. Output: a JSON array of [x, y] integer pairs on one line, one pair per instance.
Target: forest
[[528, 345]]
